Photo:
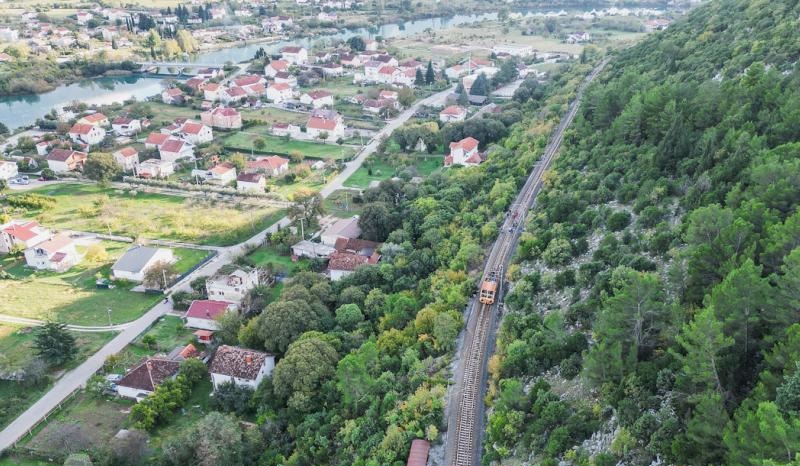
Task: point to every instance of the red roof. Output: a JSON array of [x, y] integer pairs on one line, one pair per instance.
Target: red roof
[[291, 49], [62, 155], [156, 138], [467, 144], [280, 86], [319, 94], [321, 123], [174, 92], [272, 162], [94, 118], [207, 309], [250, 177], [346, 261], [387, 70], [22, 232], [127, 152], [453, 110], [418, 455], [279, 65], [211, 87], [192, 127], [225, 111], [189, 352], [235, 91], [81, 128], [172, 145], [247, 80]]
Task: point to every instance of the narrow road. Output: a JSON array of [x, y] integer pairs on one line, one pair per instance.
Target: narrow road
[[77, 377], [76, 328]]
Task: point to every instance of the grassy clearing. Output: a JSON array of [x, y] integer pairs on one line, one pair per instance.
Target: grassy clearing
[[340, 204], [379, 169], [169, 332], [72, 296], [16, 350], [268, 257], [271, 115], [164, 114], [94, 208], [243, 141]]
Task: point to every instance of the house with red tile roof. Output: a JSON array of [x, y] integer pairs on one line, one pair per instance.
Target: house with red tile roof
[[57, 254], [211, 91], [21, 234], [344, 263], [270, 165], [232, 94], [294, 54], [317, 99], [285, 129], [94, 119], [325, 123], [196, 133], [221, 174], [175, 149], [155, 140], [83, 133], [127, 158], [240, 366], [464, 152], [203, 313], [222, 117], [279, 92], [125, 126], [286, 78], [155, 168], [276, 66], [251, 182], [172, 96], [453, 113], [65, 160], [143, 379], [249, 80]]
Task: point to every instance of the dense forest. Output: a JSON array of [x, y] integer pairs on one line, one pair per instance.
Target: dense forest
[[655, 316]]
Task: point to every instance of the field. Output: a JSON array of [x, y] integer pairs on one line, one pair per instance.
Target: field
[[271, 115], [379, 169], [72, 297], [243, 140], [16, 351], [163, 113], [145, 215]]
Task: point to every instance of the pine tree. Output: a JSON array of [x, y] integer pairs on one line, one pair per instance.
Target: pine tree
[[479, 87], [430, 76], [419, 80]]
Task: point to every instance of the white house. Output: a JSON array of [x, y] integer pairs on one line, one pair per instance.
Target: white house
[[82, 133], [196, 133], [8, 170], [285, 129], [56, 254], [211, 91], [64, 161], [343, 228], [172, 96], [231, 95], [453, 113], [124, 126], [313, 250], [279, 92], [243, 367], [127, 158], [221, 174], [276, 66], [155, 140], [155, 168], [295, 55], [328, 123], [133, 265], [22, 234], [251, 182], [143, 379], [175, 149], [286, 78], [203, 313], [317, 99], [233, 286], [96, 118], [464, 152]]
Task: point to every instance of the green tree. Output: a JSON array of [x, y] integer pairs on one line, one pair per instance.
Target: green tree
[[297, 377], [159, 275], [445, 330], [54, 344], [348, 316], [101, 167], [356, 44], [283, 321], [704, 344], [419, 78], [430, 75], [480, 87], [762, 433]]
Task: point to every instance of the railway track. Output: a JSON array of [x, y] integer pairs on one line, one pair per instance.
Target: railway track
[[463, 439]]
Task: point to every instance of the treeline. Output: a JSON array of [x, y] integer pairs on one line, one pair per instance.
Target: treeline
[[666, 250], [32, 76]]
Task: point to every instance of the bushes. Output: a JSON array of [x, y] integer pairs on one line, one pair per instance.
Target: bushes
[[168, 396], [31, 201]]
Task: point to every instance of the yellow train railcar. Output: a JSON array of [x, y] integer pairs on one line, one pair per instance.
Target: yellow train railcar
[[489, 289]]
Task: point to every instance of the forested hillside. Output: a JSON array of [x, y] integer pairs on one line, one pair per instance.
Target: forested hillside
[[657, 291]]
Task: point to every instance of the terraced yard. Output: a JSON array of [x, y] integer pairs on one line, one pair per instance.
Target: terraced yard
[[244, 141]]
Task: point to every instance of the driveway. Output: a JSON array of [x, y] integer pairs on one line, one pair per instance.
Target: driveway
[[77, 377]]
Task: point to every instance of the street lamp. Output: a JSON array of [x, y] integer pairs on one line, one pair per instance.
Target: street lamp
[[109, 318]]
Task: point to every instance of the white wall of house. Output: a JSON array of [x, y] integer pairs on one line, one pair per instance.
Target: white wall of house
[[266, 369]]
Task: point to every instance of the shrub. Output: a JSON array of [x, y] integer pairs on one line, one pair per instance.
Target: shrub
[[618, 220]]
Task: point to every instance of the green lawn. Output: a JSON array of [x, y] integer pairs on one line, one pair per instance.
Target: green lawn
[[86, 207], [267, 257], [16, 350], [270, 115], [380, 168], [243, 140], [169, 332], [340, 204], [164, 114], [73, 297]]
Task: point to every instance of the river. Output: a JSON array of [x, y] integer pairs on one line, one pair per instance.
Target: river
[[23, 110]]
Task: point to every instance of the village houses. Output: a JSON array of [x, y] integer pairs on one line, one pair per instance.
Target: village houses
[[240, 366], [65, 160], [57, 254], [127, 158], [222, 117]]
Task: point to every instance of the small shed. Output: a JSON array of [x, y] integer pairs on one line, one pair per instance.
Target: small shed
[[418, 456]]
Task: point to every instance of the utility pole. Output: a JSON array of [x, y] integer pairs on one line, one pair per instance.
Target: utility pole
[[164, 274], [109, 318]]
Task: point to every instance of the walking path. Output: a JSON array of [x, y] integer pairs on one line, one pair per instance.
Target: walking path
[[77, 328], [77, 377]]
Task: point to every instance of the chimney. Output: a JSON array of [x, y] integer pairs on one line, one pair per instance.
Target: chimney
[[208, 313], [248, 359]]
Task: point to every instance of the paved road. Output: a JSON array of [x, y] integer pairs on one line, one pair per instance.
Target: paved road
[[77, 377], [77, 328]]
